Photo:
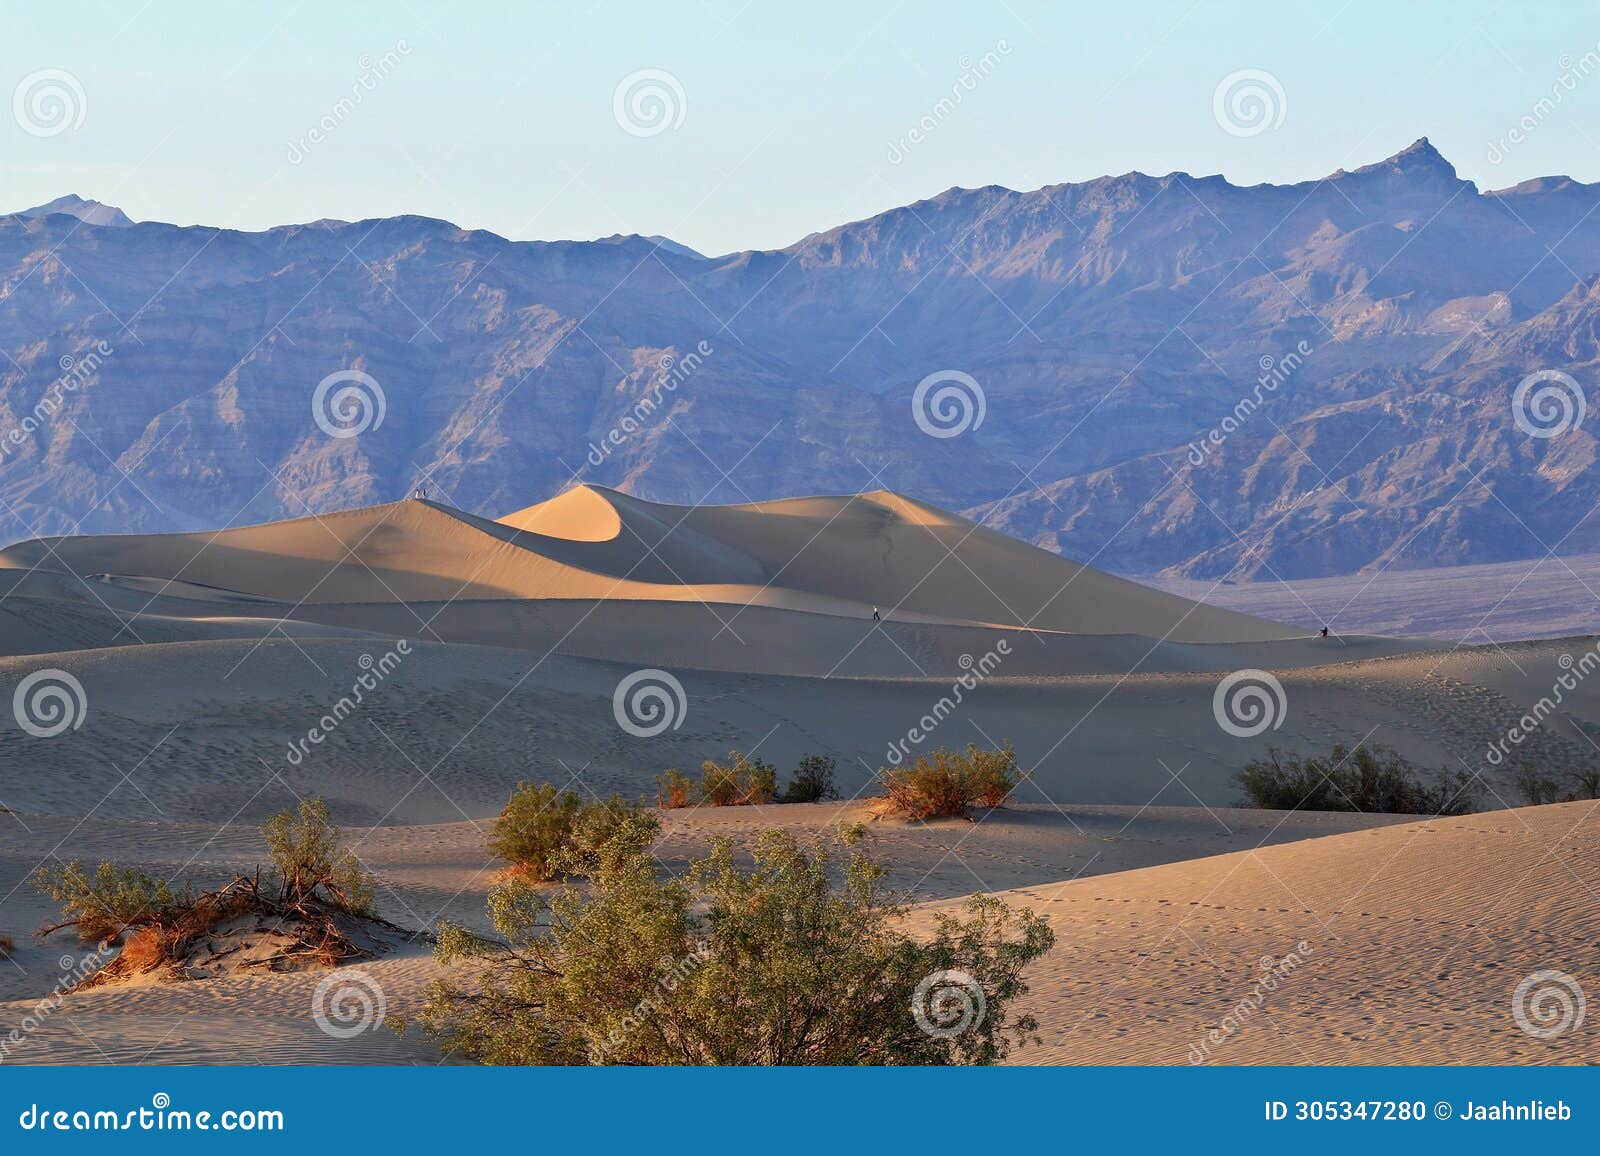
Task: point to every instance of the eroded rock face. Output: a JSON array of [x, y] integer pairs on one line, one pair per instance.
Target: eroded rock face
[[1178, 374]]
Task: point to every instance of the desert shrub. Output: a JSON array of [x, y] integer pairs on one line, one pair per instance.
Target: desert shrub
[[309, 895], [1370, 778], [607, 823], [741, 781], [1285, 784], [944, 783], [812, 781], [545, 833], [991, 775], [303, 846], [1535, 787], [930, 787], [783, 962], [745, 781], [675, 789], [533, 831], [102, 906]]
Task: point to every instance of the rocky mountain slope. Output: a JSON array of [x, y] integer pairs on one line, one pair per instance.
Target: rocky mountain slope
[[1177, 374]]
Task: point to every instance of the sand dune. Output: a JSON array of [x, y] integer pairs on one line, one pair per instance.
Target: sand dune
[[204, 659], [778, 588], [202, 727], [881, 549], [1416, 938], [838, 556]]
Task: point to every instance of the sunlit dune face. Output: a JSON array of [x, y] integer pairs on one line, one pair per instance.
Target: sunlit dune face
[[579, 515]]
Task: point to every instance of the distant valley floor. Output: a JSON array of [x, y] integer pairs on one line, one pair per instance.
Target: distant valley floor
[[1536, 598]]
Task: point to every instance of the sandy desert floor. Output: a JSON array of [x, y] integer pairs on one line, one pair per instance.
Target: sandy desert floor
[[203, 659], [1166, 918]]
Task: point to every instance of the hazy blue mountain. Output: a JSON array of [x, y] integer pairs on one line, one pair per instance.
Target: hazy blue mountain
[[1111, 325]]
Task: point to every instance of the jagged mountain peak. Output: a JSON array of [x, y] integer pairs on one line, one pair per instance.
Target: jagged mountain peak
[[87, 211], [1419, 164]]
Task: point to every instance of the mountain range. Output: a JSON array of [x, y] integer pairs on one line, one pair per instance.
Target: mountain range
[[1177, 375]]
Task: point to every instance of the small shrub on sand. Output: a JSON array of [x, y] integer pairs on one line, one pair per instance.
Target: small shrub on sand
[[613, 822], [944, 783], [545, 833], [740, 782], [675, 789], [812, 781], [746, 781], [304, 849], [991, 775], [533, 830], [780, 962], [103, 905], [307, 900], [1369, 778]]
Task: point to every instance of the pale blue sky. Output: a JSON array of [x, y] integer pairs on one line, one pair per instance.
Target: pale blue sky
[[501, 116]]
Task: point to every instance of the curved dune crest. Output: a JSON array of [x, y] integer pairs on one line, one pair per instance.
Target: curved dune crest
[[581, 514], [840, 556], [883, 549]]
